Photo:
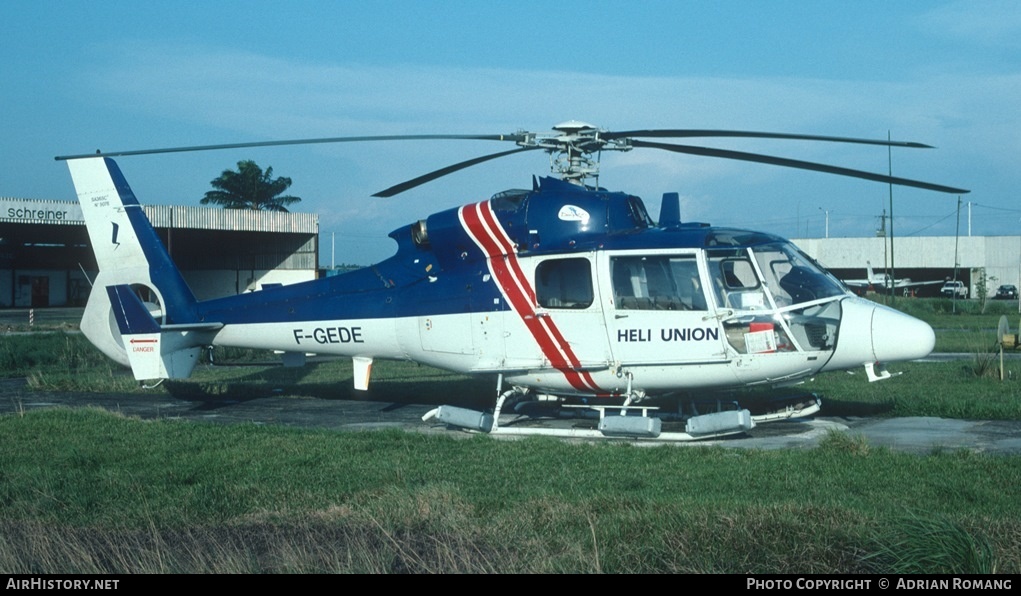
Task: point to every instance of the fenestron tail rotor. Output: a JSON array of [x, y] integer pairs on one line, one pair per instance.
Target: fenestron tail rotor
[[574, 148]]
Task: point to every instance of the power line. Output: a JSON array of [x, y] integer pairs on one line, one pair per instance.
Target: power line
[[946, 217], [996, 208]]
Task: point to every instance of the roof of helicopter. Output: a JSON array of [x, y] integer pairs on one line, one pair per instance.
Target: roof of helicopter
[[558, 217]]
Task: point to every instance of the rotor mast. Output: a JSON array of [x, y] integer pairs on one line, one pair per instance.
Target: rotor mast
[[571, 148]]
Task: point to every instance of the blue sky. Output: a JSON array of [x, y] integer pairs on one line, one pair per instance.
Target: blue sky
[[117, 75]]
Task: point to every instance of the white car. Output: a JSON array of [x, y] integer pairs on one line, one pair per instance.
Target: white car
[[954, 288]]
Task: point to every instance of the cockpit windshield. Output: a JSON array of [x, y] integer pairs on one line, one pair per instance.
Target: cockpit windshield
[[764, 287], [792, 277]]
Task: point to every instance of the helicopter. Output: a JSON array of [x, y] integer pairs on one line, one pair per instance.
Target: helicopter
[[570, 294]]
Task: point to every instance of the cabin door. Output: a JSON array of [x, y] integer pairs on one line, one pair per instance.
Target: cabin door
[[657, 310], [558, 322]]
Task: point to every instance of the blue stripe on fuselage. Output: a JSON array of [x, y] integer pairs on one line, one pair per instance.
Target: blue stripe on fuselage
[[411, 283]]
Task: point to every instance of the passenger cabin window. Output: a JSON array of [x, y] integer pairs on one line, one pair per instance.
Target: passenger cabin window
[[564, 283], [657, 282]]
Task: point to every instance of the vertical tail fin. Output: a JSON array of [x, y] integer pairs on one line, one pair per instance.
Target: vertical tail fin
[[128, 252]]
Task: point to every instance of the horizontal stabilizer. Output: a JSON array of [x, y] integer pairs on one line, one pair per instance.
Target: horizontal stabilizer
[[133, 317], [155, 352], [131, 314]]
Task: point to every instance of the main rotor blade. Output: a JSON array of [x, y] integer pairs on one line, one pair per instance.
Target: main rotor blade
[[795, 163], [403, 186], [691, 133], [508, 137]]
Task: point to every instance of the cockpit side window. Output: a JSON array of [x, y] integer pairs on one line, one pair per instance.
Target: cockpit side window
[[738, 274]]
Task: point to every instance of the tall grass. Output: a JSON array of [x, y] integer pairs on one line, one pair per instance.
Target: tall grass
[[59, 361], [89, 491], [54, 352], [923, 543], [259, 547]]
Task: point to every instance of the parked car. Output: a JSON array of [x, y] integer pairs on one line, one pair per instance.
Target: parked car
[[1006, 292], [954, 288]]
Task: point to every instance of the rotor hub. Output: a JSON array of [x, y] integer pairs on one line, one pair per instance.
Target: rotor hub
[[571, 148]]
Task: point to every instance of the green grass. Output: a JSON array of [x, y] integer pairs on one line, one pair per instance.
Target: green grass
[[58, 361], [941, 313], [87, 491], [962, 340], [968, 389], [168, 496]]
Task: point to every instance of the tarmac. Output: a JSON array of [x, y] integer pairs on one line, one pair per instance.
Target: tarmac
[[921, 435]]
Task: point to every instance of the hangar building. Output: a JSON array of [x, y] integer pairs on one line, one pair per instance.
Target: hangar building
[[924, 259], [46, 260]]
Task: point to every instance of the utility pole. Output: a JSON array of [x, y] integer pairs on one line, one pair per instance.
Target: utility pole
[[881, 233], [957, 242], [893, 268]]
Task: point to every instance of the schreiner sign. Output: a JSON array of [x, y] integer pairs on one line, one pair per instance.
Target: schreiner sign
[[31, 211]]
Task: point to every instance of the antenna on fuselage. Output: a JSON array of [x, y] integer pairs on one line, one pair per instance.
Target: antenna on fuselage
[[670, 210]]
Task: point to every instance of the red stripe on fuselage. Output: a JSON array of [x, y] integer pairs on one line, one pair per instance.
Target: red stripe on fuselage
[[485, 230], [506, 248]]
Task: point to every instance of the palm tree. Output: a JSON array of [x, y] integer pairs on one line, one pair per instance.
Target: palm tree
[[250, 188]]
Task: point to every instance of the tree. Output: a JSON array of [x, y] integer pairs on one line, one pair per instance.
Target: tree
[[250, 188]]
